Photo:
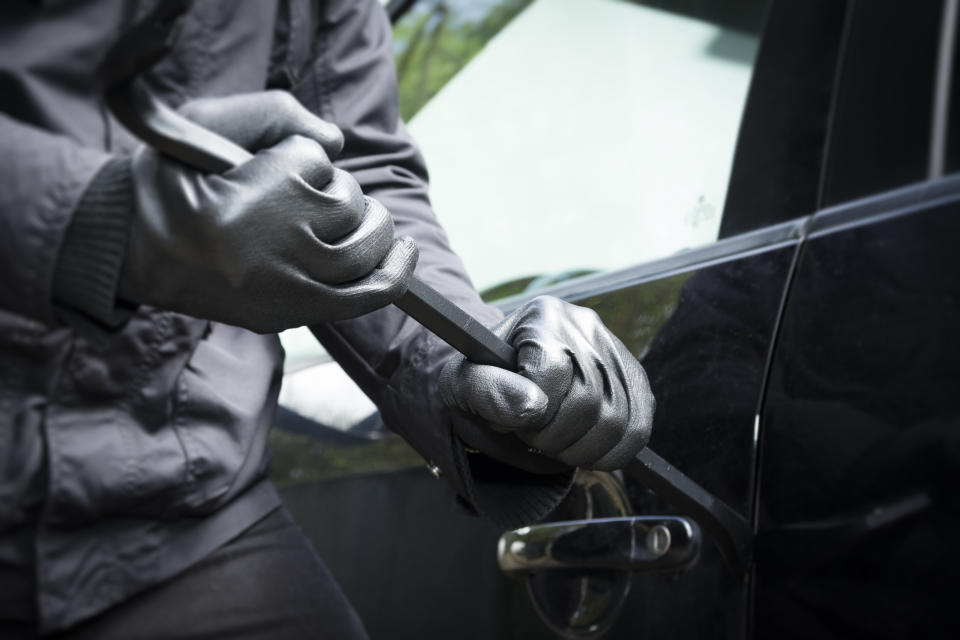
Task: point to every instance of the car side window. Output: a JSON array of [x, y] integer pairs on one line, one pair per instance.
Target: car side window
[[571, 137]]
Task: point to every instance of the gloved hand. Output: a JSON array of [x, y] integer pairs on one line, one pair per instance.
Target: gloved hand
[[578, 396], [281, 241]]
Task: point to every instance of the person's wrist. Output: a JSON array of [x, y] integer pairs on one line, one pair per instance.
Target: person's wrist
[[478, 438]]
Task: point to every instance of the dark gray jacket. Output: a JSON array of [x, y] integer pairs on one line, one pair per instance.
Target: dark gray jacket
[[124, 461]]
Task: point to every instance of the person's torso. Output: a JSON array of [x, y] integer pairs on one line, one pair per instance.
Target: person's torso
[[166, 419]]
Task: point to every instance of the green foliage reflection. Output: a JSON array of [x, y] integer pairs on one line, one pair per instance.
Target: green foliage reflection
[[300, 459], [636, 315], [435, 39]]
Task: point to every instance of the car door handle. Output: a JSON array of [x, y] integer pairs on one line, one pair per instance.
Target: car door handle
[[642, 543]]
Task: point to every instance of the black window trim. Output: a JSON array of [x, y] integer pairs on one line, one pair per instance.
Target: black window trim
[[750, 243], [940, 120], [885, 205]]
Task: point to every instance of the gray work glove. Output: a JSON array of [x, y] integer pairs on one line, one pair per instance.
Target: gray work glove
[[578, 396], [281, 241]]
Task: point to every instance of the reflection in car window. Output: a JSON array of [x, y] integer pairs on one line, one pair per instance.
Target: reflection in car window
[[565, 137], [436, 38]]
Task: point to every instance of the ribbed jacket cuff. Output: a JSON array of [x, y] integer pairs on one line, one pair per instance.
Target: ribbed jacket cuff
[[88, 269]]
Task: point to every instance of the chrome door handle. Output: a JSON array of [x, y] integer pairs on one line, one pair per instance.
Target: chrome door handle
[[643, 543]]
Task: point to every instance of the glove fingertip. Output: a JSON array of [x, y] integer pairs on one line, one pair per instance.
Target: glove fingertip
[[528, 404], [395, 271], [330, 138], [537, 404], [405, 254], [410, 245]]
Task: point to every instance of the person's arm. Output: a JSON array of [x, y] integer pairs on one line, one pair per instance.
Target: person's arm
[[44, 180], [352, 83]]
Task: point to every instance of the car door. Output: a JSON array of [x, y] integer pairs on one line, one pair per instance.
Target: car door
[[657, 162], [857, 515]]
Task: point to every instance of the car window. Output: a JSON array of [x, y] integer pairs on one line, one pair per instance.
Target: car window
[[567, 137]]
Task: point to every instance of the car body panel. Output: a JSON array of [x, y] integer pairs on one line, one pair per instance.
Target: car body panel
[[861, 428], [703, 335]]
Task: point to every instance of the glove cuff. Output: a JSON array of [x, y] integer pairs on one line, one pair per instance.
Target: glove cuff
[[507, 496], [90, 260]]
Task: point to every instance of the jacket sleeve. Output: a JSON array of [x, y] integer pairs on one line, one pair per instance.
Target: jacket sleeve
[[44, 177], [352, 82]]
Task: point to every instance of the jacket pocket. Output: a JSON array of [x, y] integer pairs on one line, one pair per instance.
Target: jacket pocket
[[110, 445], [225, 402], [169, 419]]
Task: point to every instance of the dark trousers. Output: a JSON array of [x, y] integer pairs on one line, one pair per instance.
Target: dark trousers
[[266, 583]]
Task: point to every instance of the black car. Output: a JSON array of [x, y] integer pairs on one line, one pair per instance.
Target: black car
[[782, 255]]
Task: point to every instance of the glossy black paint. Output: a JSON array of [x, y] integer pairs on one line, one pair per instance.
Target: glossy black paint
[[858, 511]]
